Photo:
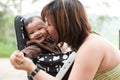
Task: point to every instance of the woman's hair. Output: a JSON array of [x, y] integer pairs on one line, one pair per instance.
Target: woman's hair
[[70, 21]]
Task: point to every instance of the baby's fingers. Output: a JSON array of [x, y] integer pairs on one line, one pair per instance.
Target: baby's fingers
[[19, 58]]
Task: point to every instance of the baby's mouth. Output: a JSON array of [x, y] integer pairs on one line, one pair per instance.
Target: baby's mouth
[[40, 37]]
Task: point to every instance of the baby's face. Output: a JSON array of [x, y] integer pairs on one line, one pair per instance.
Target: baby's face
[[37, 30]]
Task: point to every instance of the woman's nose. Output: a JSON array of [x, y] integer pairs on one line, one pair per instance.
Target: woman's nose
[[46, 30]]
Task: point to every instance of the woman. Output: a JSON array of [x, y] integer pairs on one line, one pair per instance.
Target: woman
[[96, 58]]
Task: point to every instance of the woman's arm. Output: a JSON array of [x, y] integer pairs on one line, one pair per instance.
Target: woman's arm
[[88, 60]]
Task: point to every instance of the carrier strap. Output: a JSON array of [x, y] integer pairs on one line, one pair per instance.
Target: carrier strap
[[66, 66]]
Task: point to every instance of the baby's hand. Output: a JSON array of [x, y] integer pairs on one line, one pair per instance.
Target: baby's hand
[[19, 58]]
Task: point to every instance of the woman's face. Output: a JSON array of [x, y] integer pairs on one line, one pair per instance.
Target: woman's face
[[37, 30], [51, 30]]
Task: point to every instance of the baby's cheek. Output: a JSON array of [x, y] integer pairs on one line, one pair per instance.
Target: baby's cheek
[[31, 37]]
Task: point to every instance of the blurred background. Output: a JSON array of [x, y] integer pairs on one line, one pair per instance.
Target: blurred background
[[104, 16]]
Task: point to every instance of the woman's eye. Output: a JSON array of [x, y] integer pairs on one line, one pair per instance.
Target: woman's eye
[[48, 24]]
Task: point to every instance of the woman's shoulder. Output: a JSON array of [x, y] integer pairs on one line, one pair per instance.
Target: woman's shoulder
[[99, 41], [95, 45], [95, 40], [95, 37]]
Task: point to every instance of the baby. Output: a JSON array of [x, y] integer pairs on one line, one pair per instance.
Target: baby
[[39, 40], [36, 28]]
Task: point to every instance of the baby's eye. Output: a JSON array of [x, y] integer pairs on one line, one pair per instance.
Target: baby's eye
[[30, 33]]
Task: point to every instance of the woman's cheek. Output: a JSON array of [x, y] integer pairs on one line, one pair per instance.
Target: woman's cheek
[[53, 34]]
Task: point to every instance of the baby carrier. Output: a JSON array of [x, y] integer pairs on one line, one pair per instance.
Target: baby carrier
[[50, 59]]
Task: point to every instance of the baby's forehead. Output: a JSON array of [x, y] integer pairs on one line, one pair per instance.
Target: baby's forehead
[[37, 18]]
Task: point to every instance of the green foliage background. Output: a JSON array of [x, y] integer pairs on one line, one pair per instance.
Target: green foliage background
[[7, 34]]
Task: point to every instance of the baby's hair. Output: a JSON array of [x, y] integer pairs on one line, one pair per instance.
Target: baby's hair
[[30, 19]]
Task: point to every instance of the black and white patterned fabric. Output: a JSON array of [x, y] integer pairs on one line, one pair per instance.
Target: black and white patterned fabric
[[52, 63]]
